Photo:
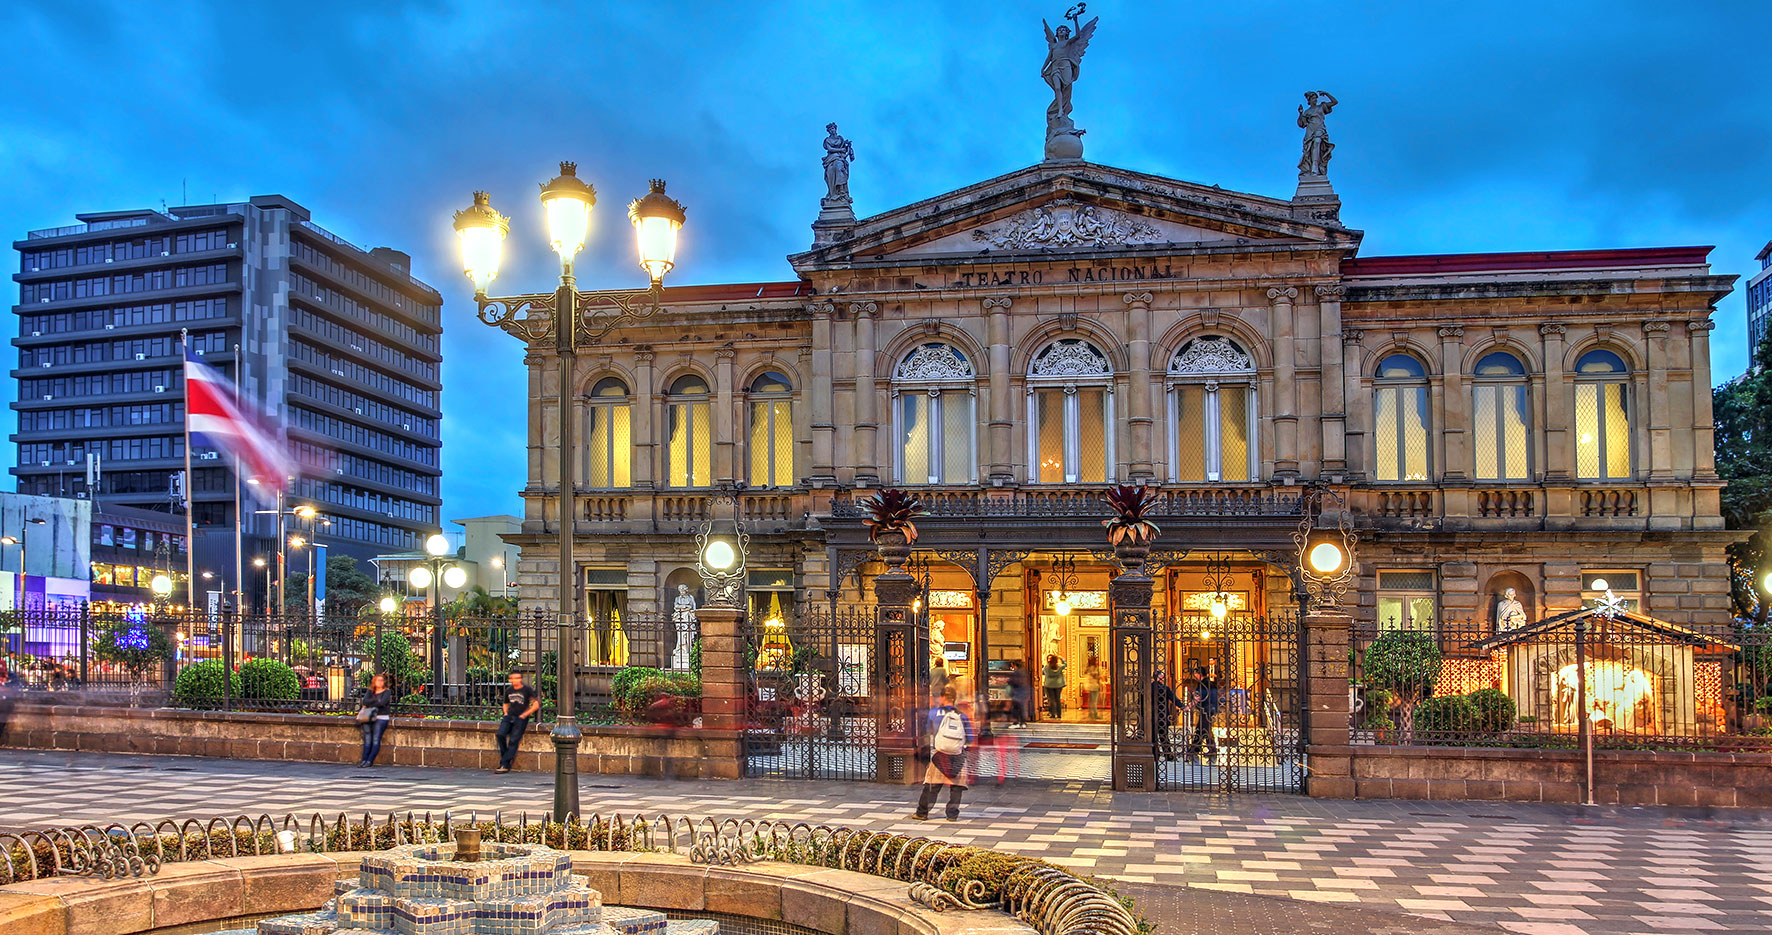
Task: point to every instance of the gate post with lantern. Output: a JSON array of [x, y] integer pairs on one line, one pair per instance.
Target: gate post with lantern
[[1326, 569], [1134, 750], [901, 663]]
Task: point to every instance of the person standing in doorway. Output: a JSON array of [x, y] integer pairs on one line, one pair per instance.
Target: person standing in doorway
[[1052, 680], [1164, 705], [950, 734], [1092, 688], [1204, 704], [1020, 692], [379, 702], [521, 703]]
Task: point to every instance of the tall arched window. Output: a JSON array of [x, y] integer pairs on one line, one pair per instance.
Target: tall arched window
[[1602, 416], [1211, 412], [1400, 418], [691, 445], [772, 431], [608, 454], [1070, 409], [934, 412], [1499, 439]]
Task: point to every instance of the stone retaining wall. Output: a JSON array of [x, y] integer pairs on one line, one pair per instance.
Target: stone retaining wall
[[1621, 777], [87, 725], [833, 902]]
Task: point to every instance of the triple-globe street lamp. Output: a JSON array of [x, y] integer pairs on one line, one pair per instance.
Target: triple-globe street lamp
[[432, 575], [571, 319]]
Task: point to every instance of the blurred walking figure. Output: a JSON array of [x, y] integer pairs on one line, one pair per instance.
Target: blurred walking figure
[[1165, 705], [950, 733], [1052, 679], [1092, 688], [1020, 694], [378, 704], [1204, 704]]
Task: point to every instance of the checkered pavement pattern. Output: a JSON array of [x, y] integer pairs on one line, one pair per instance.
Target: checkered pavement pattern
[[1525, 869]]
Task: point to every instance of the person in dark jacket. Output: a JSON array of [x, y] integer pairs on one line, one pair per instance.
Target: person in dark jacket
[[380, 701], [1020, 694], [1204, 704], [1164, 706]]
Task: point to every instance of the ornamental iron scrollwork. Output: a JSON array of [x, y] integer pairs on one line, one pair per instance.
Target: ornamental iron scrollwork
[[965, 558], [530, 318], [1325, 590], [724, 586], [996, 561], [533, 317]]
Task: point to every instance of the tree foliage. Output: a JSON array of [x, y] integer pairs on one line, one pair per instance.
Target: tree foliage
[[1743, 411], [348, 589], [1405, 663]]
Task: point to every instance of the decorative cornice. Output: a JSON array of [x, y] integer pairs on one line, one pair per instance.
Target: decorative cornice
[[1697, 325], [1655, 327], [869, 309], [1550, 328], [1002, 301], [823, 309], [1332, 293], [1452, 331], [1282, 293], [1138, 298]]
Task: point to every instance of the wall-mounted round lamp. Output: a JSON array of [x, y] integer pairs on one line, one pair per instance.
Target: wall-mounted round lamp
[[719, 554], [1326, 558]]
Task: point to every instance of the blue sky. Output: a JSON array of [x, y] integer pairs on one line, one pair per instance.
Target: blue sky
[[1462, 128]]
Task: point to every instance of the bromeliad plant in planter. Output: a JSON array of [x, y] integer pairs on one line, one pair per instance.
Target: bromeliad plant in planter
[[1129, 530], [890, 515]]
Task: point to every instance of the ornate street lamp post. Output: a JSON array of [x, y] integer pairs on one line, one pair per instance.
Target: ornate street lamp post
[[431, 576], [571, 319]]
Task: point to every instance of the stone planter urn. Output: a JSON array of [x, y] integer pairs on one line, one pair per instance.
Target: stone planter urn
[[1131, 553], [894, 548]]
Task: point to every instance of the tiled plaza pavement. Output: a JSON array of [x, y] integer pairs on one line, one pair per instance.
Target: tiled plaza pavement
[[1334, 866]]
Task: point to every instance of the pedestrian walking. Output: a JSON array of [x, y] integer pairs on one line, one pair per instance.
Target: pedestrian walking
[[1020, 693], [1204, 704], [374, 717], [1165, 704], [950, 733], [938, 679], [1052, 680], [1092, 688], [521, 704]]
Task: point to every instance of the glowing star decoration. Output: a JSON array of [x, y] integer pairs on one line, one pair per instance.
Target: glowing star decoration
[[1610, 607]]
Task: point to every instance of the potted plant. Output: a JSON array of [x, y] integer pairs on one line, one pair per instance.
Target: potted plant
[[889, 520], [1128, 531]]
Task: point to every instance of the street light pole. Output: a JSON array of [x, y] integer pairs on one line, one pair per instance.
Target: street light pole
[[569, 318]]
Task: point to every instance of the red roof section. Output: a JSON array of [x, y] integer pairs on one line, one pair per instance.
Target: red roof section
[[1504, 262], [736, 291]]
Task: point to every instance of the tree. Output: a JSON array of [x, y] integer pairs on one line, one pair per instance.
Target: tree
[[347, 588], [1743, 412], [1405, 663]]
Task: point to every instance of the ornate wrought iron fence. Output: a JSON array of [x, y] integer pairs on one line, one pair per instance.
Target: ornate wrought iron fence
[[1637, 682], [941, 875], [1238, 727], [810, 710]]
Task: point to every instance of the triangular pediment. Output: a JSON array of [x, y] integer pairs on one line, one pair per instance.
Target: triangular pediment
[[1074, 209]]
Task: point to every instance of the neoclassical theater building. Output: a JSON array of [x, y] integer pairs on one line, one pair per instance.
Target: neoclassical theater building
[[1532, 420]]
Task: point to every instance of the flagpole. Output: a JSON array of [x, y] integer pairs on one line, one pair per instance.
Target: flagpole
[[184, 337], [239, 517]]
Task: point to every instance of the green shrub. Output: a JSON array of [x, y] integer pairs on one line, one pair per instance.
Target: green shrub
[[136, 645], [1450, 714], [268, 680], [1764, 705], [478, 675], [199, 685], [1378, 709], [413, 703], [637, 688], [396, 659], [1495, 710], [1405, 663]]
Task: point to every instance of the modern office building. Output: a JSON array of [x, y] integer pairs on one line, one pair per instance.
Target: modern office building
[[337, 344], [1759, 300]]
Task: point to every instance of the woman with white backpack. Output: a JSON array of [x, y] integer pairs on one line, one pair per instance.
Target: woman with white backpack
[[950, 734]]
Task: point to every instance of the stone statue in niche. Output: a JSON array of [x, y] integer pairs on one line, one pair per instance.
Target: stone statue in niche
[[1509, 613], [838, 154], [1317, 148], [683, 615], [1064, 64]]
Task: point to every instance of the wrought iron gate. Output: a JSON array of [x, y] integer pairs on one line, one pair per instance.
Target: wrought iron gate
[[809, 710], [1253, 740]]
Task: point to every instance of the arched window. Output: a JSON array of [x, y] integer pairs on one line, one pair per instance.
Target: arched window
[[1070, 407], [608, 451], [772, 431], [1211, 412], [1400, 419], [691, 445], [933, 409], [1602, 416], [1499, 439]]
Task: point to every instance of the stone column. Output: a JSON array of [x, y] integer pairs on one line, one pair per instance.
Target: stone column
[[1358, 402], [901, 677], [1704, 421], [723, 688], [725, 461], [865, 455], [640, 415], [1454, 422], [1334, 392], [1327, 710], [1140, 421], [1285, 382], [1135, 753], [1554, 405], [1656, 404], [824, 473], [1002, 462]]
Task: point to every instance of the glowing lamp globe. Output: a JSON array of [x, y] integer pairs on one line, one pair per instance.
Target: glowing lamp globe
[[161, 585], [389, 605], [1766, 582], [1600, 584], [567, 201], [1325, 558], [657, 218], [481, 233], [1205, 634], [719, 555], [420, 576], [454, 576], [437, 544], [1062, 606], [1219, 610]]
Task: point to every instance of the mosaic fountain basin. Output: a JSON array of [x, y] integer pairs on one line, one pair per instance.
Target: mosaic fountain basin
[[512, 889]]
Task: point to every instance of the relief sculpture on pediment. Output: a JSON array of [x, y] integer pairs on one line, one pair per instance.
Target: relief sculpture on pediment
[[1066, 224]]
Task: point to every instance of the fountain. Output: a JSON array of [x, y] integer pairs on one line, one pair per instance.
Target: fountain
[[468, 888]]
